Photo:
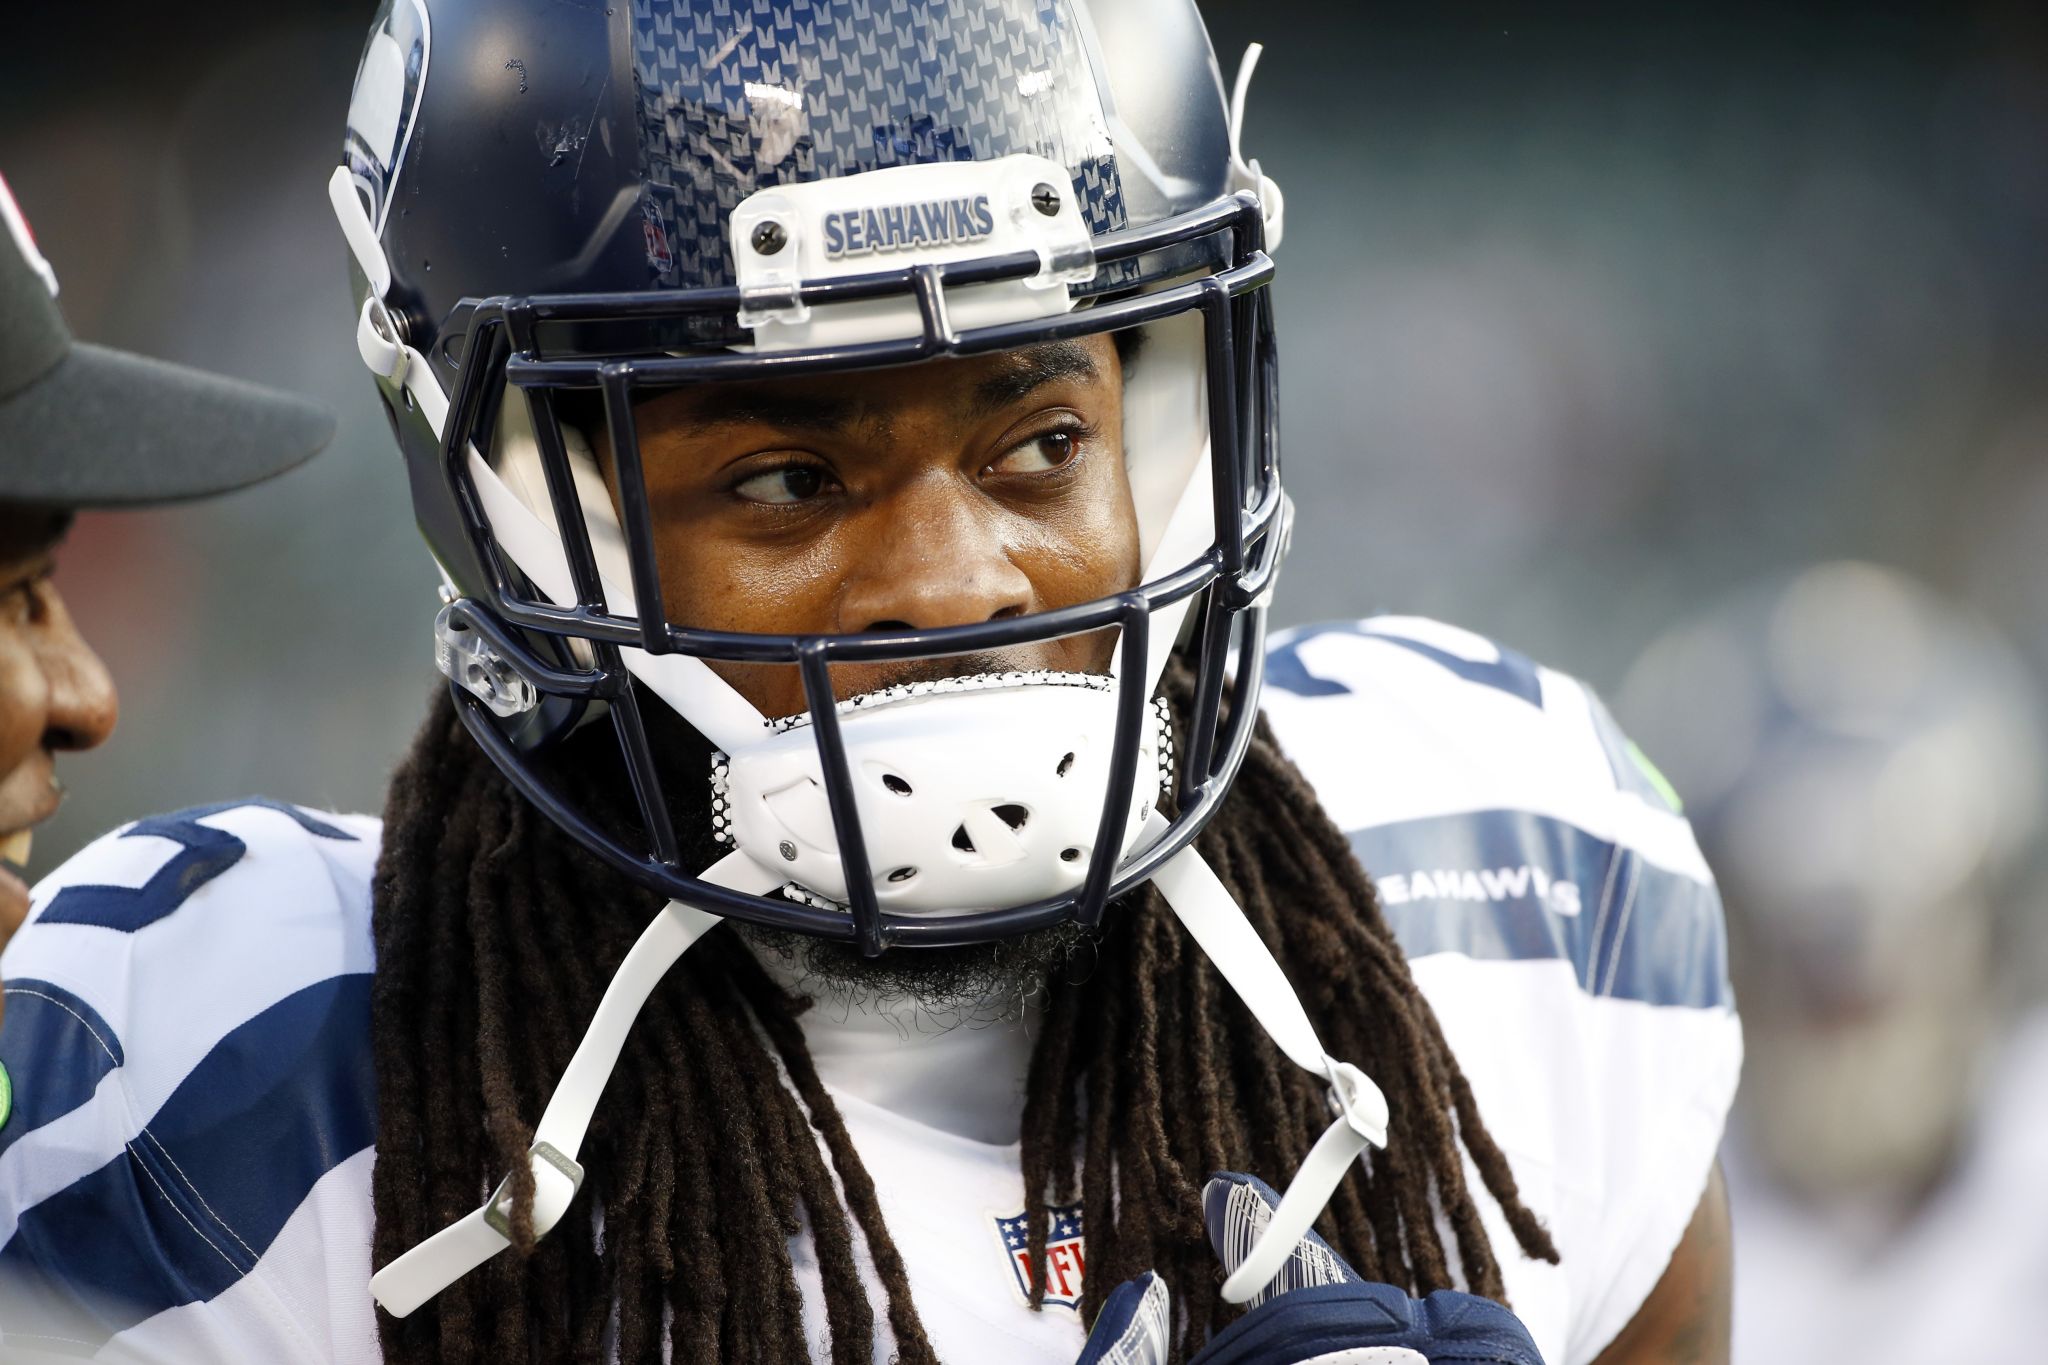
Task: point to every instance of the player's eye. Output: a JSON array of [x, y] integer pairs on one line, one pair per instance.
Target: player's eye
[[1040, 454], [792, 483]]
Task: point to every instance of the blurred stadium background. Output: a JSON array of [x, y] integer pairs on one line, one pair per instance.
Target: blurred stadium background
[[1591, 317]]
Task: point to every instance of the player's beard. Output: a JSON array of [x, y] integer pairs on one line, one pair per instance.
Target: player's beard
[[971, 985]]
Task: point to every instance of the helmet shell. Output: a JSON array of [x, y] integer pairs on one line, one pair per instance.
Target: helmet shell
[[531, 147]]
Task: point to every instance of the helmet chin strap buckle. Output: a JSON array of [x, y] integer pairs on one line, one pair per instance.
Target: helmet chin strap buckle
[[1360, 1122], [556, 1178], [467, 659], [1357, 1101]]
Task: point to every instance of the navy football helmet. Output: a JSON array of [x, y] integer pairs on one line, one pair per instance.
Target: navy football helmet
[[556, 211], [544, 199]]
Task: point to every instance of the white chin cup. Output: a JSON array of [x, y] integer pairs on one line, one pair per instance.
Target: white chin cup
[[974, 793]]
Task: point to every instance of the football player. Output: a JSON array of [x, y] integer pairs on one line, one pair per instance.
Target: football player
[[84, 426], [853, 892]]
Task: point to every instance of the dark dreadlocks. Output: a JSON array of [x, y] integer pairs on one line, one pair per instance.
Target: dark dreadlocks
[[496, 935]]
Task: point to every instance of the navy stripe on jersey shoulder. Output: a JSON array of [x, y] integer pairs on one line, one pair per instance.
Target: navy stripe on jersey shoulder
[[1513, 885], [198, 1197], [1512, 673], [56, 1048], [204, 854]]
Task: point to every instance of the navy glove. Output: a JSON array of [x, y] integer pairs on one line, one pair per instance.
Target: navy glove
[[1317, 1310]]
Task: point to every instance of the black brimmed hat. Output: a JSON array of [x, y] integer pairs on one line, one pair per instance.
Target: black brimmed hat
[[85, 426]]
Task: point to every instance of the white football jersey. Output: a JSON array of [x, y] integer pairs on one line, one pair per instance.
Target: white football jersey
[[185, 1171]]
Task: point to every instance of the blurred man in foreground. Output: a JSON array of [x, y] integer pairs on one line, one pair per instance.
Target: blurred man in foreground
[[83, 426]]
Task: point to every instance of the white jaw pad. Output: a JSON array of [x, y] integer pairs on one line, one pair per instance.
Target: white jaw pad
[[1166, 440], [1190, 533], [687, 684], [974, 793]]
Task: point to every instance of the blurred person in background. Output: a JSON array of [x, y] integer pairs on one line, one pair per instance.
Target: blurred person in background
[[85, 426], [1863, 761]]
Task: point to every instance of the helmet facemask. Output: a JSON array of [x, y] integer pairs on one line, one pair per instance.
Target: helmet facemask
[[1006, 848]]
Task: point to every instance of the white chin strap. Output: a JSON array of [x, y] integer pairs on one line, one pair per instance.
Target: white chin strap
[[1214, 921], [1190, 888], [461, 1247]]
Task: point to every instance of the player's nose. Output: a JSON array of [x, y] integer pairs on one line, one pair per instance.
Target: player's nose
[[83, 705], [937, 556]]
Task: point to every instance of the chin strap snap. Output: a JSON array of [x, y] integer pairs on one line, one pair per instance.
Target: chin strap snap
[[1213, 919], [453, 1252]]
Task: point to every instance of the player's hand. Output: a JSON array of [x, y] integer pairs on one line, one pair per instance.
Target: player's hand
[[1317, 1309]]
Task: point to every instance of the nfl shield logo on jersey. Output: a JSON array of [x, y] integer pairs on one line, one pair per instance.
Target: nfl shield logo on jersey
[[1065, 1261]]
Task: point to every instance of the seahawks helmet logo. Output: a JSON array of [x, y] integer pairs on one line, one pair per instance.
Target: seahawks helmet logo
[[899, 227]]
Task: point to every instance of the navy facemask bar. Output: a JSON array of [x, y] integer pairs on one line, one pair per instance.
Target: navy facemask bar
[[508, 343]]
